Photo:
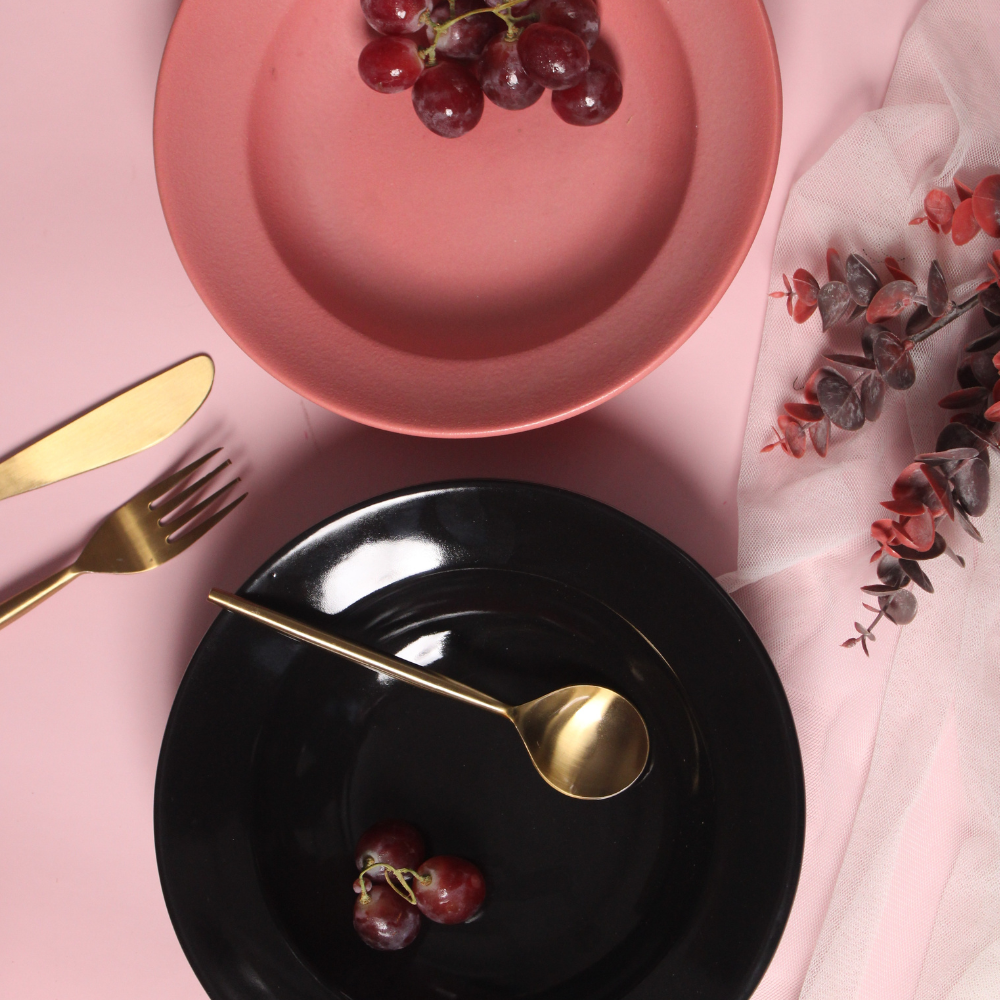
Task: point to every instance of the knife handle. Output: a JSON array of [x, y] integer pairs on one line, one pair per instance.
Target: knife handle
[[27, 599]]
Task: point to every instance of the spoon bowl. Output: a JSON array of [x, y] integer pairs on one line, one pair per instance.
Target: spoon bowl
[[586, 741]]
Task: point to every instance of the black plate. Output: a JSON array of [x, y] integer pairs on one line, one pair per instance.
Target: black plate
[[277, 756]]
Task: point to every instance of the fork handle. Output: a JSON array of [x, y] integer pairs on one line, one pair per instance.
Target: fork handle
[[27, 599]]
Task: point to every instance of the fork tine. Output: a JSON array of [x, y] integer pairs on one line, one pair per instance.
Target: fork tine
[[192, 512], [157, 490], [210, 522], [169, 506]]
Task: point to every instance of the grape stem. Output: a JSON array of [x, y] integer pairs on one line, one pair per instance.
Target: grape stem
[[502, 10], [394, 882]]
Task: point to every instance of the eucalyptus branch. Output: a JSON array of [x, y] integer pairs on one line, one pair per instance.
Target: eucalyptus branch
[[949, 317]]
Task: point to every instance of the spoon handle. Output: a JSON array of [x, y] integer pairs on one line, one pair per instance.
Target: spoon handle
[[390, 665]]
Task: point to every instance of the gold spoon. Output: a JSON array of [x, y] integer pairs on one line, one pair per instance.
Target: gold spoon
[[585, 741]]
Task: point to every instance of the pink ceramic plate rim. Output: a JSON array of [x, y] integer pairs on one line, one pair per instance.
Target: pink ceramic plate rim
[[384, 373]]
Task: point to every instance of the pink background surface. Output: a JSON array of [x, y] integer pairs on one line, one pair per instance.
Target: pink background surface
[[92, 298]]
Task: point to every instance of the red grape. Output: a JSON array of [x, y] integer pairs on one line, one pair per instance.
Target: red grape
[[578, 16], [455, 892], [466, 38], [503, 78], [448, 99], [393, 842], [386, 922], [395, 17], [594, 100], [553, 56], [390, 64]]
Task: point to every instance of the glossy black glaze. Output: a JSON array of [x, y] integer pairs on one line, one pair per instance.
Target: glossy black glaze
[[277, 756]]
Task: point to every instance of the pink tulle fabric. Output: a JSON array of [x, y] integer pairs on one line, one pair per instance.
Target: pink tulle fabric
[[899, 897]]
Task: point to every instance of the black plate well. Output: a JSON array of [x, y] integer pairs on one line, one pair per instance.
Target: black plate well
[[277, 756]]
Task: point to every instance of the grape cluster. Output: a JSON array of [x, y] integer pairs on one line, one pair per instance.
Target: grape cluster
[[452, 53], [395, 885]]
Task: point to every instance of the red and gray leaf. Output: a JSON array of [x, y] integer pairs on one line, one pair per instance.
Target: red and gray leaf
[[990, 339], [971, 485], [834, 303], [986, 205], [904, 552], [982, 428], [954, 556], [919, 320], [900, 608], [851, 361], [989, 299], [835, 266], [862, 281], [868, 337], [890, 300], [893, 362], [939, 207], [893, 267], [884, 532], [954, 437], [819, 434], [964, 225], [806, 413], [917, 532], [914, 571], [840, 402], [966, 377], [891, 573], [941, 490], [800, 310], [962, 399], [963, 519], [795, 435], [908, 506], [948, 455], [984, 369], [805, 286], [872, 396], [937, 291], [810, 387], [911, 482]]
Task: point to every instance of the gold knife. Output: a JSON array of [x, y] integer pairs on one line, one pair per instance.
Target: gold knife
[[130, 422]]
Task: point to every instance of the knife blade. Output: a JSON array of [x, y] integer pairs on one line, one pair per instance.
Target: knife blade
[[126, 424]]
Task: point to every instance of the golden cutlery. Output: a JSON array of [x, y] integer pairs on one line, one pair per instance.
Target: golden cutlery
[[130, 422], [134, 537], [585, 741]]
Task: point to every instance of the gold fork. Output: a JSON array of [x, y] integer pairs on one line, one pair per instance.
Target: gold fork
[[135, 538]]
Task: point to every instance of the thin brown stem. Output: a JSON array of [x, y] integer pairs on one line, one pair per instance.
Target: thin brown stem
[[949, 317]]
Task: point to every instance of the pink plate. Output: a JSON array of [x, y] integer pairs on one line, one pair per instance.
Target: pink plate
[[461, 287]]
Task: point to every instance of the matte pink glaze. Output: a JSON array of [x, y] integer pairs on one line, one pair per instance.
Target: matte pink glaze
[[504, 280]]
